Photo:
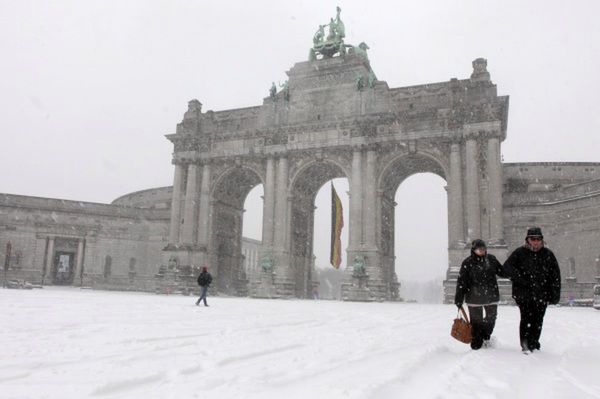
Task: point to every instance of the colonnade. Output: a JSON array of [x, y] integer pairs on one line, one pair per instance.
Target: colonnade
[[471, 166]]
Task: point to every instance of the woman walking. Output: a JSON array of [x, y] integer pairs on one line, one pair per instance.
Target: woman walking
[[478, 287]]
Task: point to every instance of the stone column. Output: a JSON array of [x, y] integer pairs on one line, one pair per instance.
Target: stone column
[[288, 236], [369, 202], [281, 205], [191, 206], [49, 260], [455, 198], [494, 172], [269, 204], [355, 211], [472, 183], [176, 205], [79, 261], [204, 209]]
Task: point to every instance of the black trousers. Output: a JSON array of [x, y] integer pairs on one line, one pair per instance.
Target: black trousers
[[532, 319], [483, 321]]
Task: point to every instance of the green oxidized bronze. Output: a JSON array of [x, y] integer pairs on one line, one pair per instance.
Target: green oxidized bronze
[[358, 267], [266, 263], [333, 43], [361, 51], [360, 82], [285, 90], [273, 91]]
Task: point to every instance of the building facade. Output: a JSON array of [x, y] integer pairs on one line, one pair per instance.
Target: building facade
[[333, 118]]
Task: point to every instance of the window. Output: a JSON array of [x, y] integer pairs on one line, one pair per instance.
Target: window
[[572, 267], [132, 262], [107, 266]]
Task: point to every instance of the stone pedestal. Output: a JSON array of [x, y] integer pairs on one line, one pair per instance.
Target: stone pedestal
[[357, 290], [263, 286], [176, 282], [180, 267]]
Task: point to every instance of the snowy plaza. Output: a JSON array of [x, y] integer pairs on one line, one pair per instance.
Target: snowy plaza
[[73, 343]]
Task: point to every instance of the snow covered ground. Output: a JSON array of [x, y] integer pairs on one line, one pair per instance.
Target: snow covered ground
[[72, 343]]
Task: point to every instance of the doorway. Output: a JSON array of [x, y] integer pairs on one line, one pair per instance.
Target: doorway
[[63, 268]]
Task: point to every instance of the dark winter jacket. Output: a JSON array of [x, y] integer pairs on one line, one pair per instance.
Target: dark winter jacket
[[534, 275], [476, 282], [204, 279]]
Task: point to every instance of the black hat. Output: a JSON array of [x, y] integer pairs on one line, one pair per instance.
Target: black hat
[[534, 232], [478, 244]]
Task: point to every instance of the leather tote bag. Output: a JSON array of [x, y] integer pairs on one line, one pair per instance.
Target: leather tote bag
[[461, 327]]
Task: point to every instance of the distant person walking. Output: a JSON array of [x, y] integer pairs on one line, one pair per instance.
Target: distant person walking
[[535, 276], [204, 280], [477, 285]]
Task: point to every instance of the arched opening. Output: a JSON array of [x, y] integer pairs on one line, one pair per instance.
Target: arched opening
[[311, 222], [329, 278], [421, 239], [414, 227], [229, 212], [252, 225]]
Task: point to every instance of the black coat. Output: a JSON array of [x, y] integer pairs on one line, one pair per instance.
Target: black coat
[[534, 275], [204, 279], [477, 282]]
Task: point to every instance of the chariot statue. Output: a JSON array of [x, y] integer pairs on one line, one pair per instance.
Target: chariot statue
[[333, 43]]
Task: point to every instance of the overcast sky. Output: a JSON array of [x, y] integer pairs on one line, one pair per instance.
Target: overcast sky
[[88, 89]]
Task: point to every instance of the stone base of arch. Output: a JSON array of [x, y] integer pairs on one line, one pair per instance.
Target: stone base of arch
[[270, 285], [179, 270], [181, 265], [376, 283], [262, 286], [276, 279]]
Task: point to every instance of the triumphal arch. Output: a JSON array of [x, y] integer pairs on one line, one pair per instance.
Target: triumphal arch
[[334, 118]]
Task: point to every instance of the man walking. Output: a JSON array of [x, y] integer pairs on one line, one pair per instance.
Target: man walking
[[204, 280], [535, 276]]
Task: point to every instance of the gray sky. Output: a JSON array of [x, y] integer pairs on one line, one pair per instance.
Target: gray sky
[[88, 89]]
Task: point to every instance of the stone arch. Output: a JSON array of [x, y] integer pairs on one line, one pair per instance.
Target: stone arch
[[305, 184], [236, 172], [310, 162], [409, 164], [228, 193], [392, 174]]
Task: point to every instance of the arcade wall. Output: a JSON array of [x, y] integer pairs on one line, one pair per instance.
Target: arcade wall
[[564, 200]]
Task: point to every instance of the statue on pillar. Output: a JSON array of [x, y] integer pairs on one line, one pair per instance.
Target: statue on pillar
[[266, 264], [480, 71], [173, 263], [285, 90], [358, 267]]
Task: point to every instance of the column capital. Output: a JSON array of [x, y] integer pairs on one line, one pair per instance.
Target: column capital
[[455, 145], [278, 155], [471, 136], [371, 147]]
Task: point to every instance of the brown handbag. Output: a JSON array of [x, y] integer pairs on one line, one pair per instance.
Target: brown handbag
[[461, 328]]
